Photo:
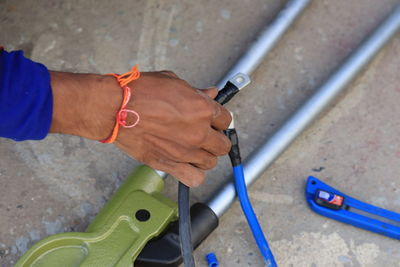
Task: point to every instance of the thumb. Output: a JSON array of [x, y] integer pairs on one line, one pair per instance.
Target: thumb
[[211, 92]]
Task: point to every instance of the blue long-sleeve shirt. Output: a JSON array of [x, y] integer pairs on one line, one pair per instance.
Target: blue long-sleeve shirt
[[26, 101]]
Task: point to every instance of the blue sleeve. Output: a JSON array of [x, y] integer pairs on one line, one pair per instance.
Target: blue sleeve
[[26, 101]]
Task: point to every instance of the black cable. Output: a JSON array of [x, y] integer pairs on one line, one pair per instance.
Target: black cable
[[185, 229], [226, 93]]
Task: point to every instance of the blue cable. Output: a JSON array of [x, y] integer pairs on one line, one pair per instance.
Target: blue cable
[[241, 189]]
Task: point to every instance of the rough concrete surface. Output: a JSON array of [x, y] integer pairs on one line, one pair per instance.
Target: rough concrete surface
[[60, 183]]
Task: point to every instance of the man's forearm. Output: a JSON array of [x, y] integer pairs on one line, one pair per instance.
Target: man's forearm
[[179, 130], [84, 104]]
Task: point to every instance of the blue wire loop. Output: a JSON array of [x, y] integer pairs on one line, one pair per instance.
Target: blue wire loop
[[241, 189]]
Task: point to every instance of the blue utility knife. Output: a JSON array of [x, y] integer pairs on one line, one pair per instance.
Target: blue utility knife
[[329, 202]]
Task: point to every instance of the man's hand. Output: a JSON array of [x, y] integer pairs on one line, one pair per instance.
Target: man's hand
[[179, 130]]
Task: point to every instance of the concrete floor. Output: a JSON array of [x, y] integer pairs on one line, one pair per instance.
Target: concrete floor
[[59, 184]]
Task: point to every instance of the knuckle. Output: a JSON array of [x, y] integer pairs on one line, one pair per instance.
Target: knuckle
[[201, 105], [203, 102], [218, 109], [197, 182], [211, 162], [181, 175], [200, 138], [226, 146], [198, 107], [169, 73], [179, 153]]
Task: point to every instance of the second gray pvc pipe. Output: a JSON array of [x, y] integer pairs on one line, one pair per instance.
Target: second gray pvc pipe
[[256, 164]]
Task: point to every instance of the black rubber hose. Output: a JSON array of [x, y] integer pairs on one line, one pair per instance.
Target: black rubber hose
[[185, 229], [224, 95]]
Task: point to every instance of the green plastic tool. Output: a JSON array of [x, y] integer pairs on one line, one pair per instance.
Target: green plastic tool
[[136, 213]]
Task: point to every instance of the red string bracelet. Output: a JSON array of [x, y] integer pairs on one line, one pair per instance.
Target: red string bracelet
[[122, 114]]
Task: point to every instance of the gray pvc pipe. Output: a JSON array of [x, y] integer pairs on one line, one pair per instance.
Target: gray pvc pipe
[[256, 164], [266, 40], [264, 43]]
